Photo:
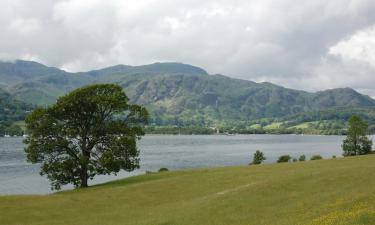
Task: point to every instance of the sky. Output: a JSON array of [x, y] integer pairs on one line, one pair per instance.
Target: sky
[[308, 45]]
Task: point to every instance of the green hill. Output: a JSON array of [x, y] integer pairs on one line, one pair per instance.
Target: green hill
[[337, 191], [178, 94], [327, 121]]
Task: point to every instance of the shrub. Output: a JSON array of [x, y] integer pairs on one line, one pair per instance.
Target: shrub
[[163, 169], [316, 157], [302, 158], [284, 158], [333, 157], [258, 158], [295, 160]]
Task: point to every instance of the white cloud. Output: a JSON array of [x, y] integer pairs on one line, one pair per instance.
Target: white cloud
[[24, 26], [311, 45], [360, 46]]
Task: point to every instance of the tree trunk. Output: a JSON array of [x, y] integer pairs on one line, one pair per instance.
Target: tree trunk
[[84, 182], [84, 176]]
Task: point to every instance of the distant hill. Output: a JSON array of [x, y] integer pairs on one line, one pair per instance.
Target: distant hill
[[331, 121], [176, 93], [156, 68]]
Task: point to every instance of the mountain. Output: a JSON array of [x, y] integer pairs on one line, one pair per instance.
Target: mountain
[[176, 93], [156, 68]]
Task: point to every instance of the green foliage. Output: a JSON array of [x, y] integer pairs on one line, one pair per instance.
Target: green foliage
[[357, 142], [13, 130], [163, 169], [328, 121], [258, 157], [90, 131], [316, 157], [284, 159], [302, 158], [178, 130], [11, 110]]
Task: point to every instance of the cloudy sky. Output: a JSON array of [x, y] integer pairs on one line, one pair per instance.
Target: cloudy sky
[[310, 45]]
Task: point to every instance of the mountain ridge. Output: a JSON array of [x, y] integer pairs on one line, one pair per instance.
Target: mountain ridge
[[177, 93]]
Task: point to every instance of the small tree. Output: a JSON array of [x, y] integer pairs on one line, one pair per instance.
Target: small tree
[[284, 158], [258, 157], [302, 158], [163, 169], [90, 131], [316, 157], [357, 142]]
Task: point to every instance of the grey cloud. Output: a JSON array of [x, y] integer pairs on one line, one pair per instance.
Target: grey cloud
[[278, 41]]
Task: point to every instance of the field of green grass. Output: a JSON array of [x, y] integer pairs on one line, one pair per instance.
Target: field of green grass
[[335, 191], [273, 126], [304, 125]]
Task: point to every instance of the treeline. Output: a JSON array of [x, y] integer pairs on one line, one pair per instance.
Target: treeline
[[173, 130], [11, 111], [178, 130], [11, 129], [335, 113], [325, 122]]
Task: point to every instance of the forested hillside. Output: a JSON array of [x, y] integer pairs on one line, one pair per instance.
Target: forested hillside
[[11, 110], [178, 94]]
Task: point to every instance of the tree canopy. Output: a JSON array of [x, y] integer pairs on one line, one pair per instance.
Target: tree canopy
[[90, 131], [258, 157], [284, 158], [357, 142]]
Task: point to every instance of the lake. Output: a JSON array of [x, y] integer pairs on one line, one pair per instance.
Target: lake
[[174, 152]]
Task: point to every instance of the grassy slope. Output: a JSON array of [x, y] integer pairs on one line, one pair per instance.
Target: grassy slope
[[339, 191]]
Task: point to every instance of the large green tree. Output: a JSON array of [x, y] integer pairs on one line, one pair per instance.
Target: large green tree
[[357, 142], [90, 131]]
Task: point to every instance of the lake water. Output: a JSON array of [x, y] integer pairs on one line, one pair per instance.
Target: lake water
[[174, 152]]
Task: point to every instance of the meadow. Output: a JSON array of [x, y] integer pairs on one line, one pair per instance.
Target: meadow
[[333, 191]]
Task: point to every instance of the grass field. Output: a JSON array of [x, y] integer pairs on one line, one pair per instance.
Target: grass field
[[336, 191], [272, 126]]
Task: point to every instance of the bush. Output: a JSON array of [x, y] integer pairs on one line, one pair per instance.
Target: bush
[[258, 158], [333, 157], [284, 158], [295, 160], [302, 158], [316, 157], [163, 169]]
